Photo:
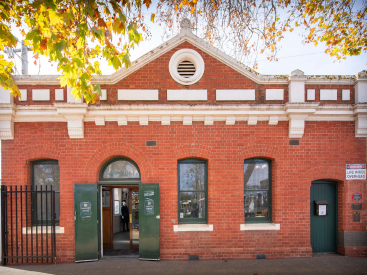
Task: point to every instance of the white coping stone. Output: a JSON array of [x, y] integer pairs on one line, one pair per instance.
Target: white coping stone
[[28, 230], [274, 94], [23, 93], [41, 94], [187, 95], [345, 94], [326, 94], [59, 94], [135, 94], [227, 95], [311, 94], [104, 95], [260, 226], [192, 227]]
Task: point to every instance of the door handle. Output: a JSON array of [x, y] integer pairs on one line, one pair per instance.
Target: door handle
[[158, 217]]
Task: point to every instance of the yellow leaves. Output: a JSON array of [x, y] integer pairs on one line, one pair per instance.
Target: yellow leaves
[[152, 17], [291, 29], [192, 10], [176, 8]]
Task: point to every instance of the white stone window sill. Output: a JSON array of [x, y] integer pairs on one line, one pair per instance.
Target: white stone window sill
[[260, 226], [44, 229], [192, 227]]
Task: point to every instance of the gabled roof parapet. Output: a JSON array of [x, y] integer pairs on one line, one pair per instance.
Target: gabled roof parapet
[[186, 35]]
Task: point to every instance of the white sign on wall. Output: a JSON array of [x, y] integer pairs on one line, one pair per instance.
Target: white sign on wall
[[356, 171]]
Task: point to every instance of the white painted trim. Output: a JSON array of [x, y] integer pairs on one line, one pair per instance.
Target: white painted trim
[[259, 226], [132, 94], [228, 95], [274, 94], [186, 55], [59, 94], [192, 227], [75, 115], [345, 94], [311, 94], [328, 94], [23, 93], [43, 229], [41, 94], [187, 95], [104, 94]]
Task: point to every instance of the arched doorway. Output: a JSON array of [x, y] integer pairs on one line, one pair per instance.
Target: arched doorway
[[324, 216], [119, 181]]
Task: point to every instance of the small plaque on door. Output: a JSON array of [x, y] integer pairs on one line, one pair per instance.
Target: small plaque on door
[[149, 207], [85, 209]]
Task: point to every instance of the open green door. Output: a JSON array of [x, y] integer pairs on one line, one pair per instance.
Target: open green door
[[149, 221], [86, 222]]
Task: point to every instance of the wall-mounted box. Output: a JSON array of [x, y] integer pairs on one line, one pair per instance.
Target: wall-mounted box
[[321, 207]]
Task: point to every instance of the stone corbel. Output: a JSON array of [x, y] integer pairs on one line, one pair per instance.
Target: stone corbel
[[360, 116], [74, 114], [7, 113], [297, 114]]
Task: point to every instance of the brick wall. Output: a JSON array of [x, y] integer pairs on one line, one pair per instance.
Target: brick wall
[[322, 154]]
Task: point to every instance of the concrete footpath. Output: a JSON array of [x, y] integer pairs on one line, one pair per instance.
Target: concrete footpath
[[319, 264]]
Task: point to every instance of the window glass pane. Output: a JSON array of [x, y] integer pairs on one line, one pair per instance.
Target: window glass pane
[[192, 205], [47, 174], [121, 169], [44, 206], [106, 197], [256, 175], [192, 176], [256, 204]]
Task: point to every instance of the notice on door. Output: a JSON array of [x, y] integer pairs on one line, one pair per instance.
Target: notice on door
[[85, 210], [356, 171], [322, 210], [149, 207]]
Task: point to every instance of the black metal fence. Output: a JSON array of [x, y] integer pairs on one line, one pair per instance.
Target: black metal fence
[[28, 222]]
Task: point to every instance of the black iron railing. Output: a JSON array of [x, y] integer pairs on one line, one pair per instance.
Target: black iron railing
[[28, 223]]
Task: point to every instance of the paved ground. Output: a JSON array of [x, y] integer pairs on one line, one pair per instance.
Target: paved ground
[[320, 264]]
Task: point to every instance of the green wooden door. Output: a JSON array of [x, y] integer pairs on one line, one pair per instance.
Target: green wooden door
[[149, 221], [86, 227], [324, 228]]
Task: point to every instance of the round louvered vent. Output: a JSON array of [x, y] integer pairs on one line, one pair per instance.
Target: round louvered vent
[[186, 69], [186, 66]]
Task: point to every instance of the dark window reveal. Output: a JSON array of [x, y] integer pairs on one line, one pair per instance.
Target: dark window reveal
[[45, 173], [192, 191], [257, 191]]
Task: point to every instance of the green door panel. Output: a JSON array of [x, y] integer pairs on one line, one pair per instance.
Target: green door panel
[[86, 218], [149, 221], [324, 228]]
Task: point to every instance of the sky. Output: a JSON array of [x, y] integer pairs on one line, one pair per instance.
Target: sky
[[292, 55]]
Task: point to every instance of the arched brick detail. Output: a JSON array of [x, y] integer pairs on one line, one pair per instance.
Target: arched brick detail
[[193, 151], [42, 151], [260, 150], [326, 173], [104, 153]]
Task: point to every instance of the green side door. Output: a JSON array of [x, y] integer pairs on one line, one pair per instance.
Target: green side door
[[324, 228], [149, 221], [86, 222]]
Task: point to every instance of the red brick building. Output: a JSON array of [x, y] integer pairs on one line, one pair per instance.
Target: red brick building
[[244, 164]]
